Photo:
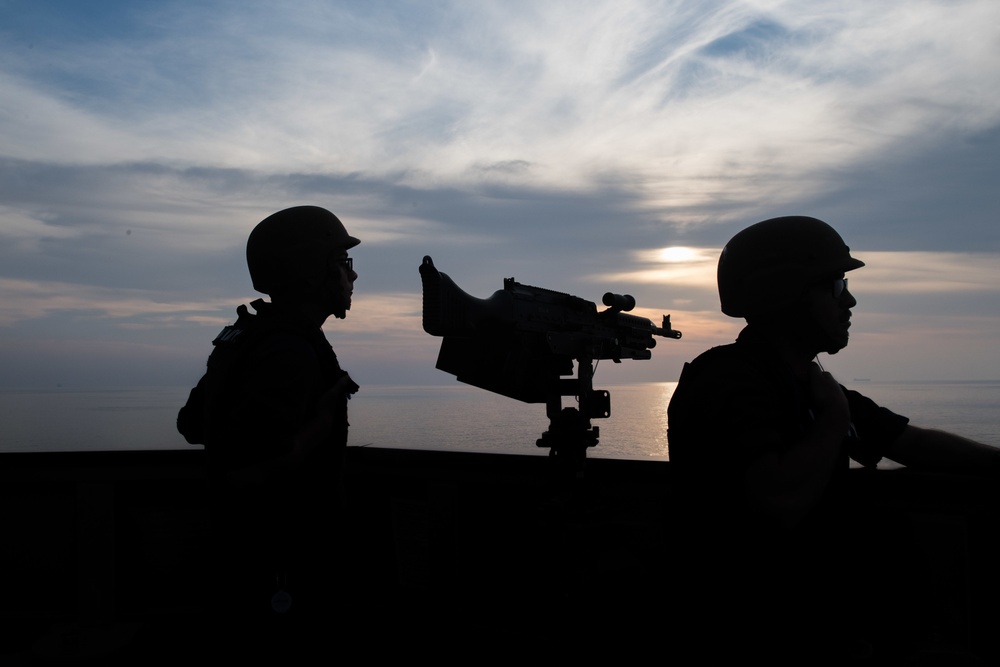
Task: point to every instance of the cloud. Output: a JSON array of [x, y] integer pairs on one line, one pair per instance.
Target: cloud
[[677, 266], [564, 145], [25, 232], [28, 300], [928, 272], [265, 89]]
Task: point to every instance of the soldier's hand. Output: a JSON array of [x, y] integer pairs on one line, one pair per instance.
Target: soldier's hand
[[343, 387]]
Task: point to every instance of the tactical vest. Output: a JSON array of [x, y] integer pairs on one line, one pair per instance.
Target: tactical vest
[[203, 420]]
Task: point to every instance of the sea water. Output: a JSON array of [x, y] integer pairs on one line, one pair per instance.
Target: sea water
[[454, 417]]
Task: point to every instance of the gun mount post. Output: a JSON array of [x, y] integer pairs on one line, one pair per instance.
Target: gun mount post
[[570, 432]]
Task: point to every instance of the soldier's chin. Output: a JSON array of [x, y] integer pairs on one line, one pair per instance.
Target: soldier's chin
[[838, 343], [339, 308]]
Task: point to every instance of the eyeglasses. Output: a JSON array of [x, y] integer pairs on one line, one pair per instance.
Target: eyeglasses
[[839, 287], [346, 262]]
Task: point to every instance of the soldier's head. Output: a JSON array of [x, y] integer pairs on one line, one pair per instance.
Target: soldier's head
[[789, 272], [300, 255]]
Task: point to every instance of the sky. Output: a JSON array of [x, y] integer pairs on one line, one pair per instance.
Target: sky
[[578, 146]]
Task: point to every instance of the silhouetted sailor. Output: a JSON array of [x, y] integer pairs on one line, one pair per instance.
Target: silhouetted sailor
[[271, 411], [761, 437]]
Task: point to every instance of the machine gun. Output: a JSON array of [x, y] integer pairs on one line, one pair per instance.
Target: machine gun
[[523, 340]]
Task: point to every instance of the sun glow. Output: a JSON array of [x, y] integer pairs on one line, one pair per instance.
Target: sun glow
[[680, 254]]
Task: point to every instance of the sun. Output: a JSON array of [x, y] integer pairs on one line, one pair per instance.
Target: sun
[[679, 254]]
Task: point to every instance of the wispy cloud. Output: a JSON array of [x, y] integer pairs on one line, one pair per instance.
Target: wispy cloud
[[678, 96]]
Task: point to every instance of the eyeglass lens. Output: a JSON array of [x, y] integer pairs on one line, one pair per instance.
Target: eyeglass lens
[[839, 287]]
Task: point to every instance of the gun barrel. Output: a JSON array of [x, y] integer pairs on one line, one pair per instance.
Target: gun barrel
[[666, 330]]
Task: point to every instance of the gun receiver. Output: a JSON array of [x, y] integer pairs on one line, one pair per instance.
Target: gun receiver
[[522, 340]]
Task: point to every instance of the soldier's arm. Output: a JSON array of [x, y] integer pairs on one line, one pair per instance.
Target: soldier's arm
[[934, 450], [329, 423]]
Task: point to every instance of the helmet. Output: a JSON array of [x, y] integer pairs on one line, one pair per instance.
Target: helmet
[[767, 265], [290, 249]]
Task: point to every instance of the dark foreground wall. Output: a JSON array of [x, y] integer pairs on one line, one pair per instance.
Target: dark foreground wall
[[105, 553]]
